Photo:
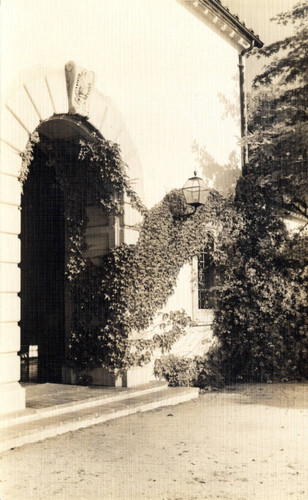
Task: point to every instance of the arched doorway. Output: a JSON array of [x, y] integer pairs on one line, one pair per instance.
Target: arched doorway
[[45, 304], [42, 273], [59, 189], [46, 100]]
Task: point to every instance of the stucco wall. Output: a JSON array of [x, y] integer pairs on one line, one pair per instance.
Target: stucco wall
[[160, 66]]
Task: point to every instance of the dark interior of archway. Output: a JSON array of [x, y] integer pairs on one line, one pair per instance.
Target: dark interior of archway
[[42, 270]]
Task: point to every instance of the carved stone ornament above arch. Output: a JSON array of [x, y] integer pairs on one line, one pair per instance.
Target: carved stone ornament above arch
[[79, 83]]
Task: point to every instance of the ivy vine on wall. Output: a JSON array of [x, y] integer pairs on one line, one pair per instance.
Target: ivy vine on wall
[[123, 293], [133, 283]]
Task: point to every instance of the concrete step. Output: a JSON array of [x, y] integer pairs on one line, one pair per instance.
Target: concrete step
[[37, 429], [51, 400]]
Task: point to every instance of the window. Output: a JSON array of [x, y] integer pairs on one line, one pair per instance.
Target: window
[[206, 278]]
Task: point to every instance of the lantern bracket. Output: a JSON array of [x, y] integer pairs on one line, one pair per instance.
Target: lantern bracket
[[184, 217]]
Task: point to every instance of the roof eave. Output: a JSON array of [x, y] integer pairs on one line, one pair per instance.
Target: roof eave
[[223, 22]]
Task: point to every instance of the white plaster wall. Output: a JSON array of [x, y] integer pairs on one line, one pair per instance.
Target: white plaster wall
[[10, 196], [182, 297], [9, 248], [9, 337], [156, 62]]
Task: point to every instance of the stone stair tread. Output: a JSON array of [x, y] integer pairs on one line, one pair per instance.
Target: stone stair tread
[[102, 412], [41, 407], [61, 393]]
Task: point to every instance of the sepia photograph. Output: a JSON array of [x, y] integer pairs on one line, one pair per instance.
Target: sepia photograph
[[153, 250]]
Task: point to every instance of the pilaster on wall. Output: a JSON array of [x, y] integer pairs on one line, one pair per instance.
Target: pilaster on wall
[[25, 108], [12, 395]]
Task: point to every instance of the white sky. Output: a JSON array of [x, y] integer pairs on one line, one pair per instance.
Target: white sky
[[257, 14], [151, 57]]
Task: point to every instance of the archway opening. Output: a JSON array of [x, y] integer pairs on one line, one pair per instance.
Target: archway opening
[[45, 299], [42, 274]]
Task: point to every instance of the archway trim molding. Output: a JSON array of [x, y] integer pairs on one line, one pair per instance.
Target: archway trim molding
[[38, 95]]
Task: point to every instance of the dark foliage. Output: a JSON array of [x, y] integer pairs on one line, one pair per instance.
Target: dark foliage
[[278, 121]]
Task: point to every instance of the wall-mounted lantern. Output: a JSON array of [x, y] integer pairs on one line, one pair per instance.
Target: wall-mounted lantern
[[195, 192]]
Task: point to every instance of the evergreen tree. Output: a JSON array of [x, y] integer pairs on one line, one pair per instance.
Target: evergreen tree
[[278, 127], [261, 270]]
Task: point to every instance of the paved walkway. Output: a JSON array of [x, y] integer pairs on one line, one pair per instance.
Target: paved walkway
[[243, 443], [46, 395], [54, 409]]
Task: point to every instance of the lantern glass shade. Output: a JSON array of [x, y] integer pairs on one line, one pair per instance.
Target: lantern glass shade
[[195, 191]]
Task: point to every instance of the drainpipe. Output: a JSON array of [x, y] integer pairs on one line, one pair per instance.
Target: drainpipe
[[243, 105]]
